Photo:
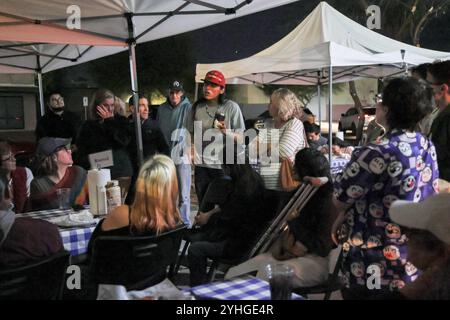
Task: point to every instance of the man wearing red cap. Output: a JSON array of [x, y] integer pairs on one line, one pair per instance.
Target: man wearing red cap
[[215, 115]]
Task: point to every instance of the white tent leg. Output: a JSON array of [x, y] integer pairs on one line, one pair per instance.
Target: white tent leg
[[41, 94], [319, 104], [196, 92], [134, 89], [330, 111]]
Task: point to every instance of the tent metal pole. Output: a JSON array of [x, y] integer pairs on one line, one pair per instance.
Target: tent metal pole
[[134, 89], [196, 92], [319, 101], [319, 104], [41, 93], [330, 111]]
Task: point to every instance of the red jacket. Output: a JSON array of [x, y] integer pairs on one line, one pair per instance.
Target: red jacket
[[19, 180]]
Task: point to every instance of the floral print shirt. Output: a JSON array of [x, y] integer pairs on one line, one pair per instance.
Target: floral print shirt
[[401, 166]]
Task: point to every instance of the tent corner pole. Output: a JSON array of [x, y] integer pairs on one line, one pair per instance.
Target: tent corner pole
[[134, 89], [330, 111], [41, 93], [196, 92], [319, 103]]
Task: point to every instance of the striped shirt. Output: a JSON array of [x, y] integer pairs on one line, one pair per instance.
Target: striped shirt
[[291, 140]]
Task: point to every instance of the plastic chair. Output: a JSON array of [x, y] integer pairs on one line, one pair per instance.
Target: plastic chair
[[135, 262], [40, 280]]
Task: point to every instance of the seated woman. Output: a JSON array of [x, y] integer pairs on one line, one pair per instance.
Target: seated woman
[[54, 170], [18, 178], [229, 230], [154, 208], [309, 254]]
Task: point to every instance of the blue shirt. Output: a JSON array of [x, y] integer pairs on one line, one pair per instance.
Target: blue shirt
[[401, 166]]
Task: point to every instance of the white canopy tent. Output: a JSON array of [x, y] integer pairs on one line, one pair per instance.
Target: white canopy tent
[[36, 35], [325, 47]]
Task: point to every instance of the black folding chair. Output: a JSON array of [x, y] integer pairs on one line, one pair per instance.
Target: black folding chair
[[135, 262], [40, 280]]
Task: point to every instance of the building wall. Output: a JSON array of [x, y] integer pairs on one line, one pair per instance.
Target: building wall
[[30, 115]]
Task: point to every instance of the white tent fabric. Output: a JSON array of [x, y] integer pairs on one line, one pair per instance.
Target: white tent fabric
[[324, 38], [32, 30]]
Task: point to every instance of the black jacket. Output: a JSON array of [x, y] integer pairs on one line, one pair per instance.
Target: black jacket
[[112, 133], [440, 136], [63, 126]]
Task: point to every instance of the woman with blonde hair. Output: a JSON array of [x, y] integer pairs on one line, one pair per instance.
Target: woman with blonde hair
[[284, 108], [155, 206]]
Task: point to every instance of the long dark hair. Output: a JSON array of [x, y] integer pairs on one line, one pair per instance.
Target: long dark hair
[[246, 181], [312, 163], [222, 100], [408, 100]]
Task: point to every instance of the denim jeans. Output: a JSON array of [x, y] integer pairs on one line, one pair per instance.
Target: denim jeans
[[184, 185]]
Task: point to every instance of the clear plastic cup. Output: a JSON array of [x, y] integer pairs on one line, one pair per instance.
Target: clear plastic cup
[[280, 280], [63, 198]]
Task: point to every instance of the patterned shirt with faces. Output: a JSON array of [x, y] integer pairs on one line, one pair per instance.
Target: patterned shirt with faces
[[400, 166]]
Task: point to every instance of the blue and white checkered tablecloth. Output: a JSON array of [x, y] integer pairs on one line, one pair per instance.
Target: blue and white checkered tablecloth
[[240, 288], [75, 239]]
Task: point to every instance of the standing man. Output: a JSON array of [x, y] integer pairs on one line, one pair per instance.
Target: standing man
[[172, 116], [58, 122], [205, 114], [438, 76], [153, 140]]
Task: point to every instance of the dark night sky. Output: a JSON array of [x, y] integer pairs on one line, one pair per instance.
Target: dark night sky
[[248, 35]]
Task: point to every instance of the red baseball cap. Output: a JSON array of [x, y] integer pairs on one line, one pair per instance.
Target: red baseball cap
[[215, 77]]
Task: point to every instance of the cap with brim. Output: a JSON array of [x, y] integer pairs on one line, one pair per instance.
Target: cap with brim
[[176, 86], [48, 145], [432, 214], [216, 77]]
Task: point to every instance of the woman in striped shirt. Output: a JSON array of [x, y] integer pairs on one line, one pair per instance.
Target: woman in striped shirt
[[284, 138]]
